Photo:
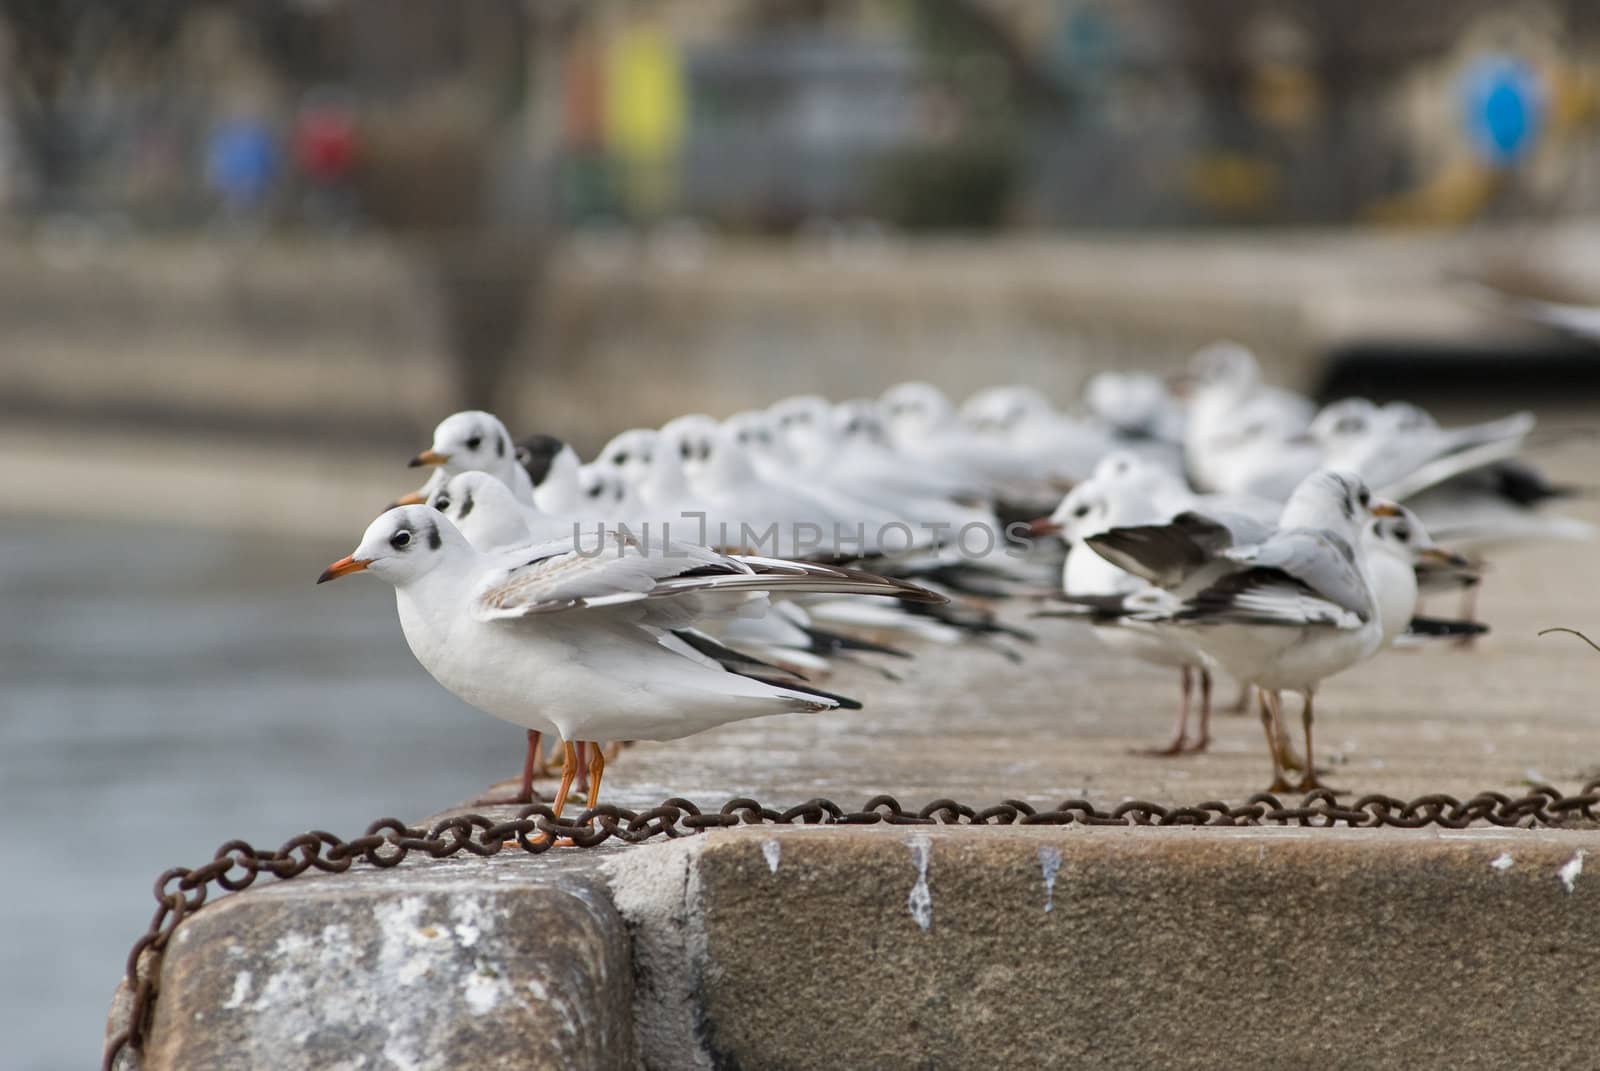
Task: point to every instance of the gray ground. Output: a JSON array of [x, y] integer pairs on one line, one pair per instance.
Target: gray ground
[[168, 690]]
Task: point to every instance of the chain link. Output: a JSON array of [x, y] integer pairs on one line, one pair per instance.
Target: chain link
[[181, 891]]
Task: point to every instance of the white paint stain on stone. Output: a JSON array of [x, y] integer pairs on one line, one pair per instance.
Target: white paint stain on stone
[[483, 989], [1571, 869], [770, 850], [1050, 864], [241, 990], [921, 899], [1502, 861], [468, 914]]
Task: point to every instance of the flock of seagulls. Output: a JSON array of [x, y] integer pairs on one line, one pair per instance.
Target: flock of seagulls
[[709, 571]]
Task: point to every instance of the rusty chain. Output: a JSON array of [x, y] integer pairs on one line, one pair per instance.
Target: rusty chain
[[181, 891]]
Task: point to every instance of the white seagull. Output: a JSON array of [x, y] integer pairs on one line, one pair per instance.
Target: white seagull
[[1284, 614], [556, 638]]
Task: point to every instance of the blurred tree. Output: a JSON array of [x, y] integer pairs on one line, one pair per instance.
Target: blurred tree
[[60, 54], [455, 131], [984, 91]]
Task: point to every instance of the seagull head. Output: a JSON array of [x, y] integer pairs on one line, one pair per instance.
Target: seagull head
[[537, 455], [1128, 401], [1226, 368], [483, 509], [402, 545], [696, 437], [467, 441], [1344, 423], [753, 432], [601, 491], [1403, 536], [1084, 511], [914, 410], [1335, 500], [804, 422], [629, 454], [1001, 410]]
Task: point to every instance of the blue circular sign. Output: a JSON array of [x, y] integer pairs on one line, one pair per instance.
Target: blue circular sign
[[1503, 106]]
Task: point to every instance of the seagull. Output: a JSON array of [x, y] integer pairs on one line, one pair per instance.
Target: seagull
[[1104, 589], [1283, 614], [469, 441], [1236, 428], [560, 640]]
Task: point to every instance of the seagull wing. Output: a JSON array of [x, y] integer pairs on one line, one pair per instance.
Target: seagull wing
[[566, 576], [1165, 554], [1319, 565]]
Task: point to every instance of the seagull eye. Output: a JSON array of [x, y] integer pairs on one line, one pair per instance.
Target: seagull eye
[[1081, 511], [621, 458], [474, 442], [1366, 497], [400, 540], [1402, 533], [594, 492], [442, 503]]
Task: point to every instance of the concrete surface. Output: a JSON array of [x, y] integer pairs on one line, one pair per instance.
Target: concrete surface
[[1034, 948]]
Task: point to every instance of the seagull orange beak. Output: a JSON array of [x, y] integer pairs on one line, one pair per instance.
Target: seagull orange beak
[[1440, 556], [343, 567], [1385, 509], [413, 499], [1043, 526], [427, 457]]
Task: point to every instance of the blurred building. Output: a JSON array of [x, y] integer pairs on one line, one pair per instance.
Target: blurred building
[[767, 115]]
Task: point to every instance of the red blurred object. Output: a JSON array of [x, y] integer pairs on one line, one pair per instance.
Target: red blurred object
[[325, 144]]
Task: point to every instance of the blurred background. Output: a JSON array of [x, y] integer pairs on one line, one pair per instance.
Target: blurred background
[[251, 252]]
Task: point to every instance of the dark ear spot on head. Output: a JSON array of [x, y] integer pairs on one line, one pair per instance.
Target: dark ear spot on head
[[499, 446], [434, 540], [540, 451], [466, 507]]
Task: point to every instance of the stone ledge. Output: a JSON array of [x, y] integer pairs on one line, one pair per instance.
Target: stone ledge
[[1123, 948], [439, 966], [891, 947]]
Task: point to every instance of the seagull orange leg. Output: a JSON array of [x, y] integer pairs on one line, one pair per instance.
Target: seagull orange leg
[[529, 764], [1205, 711], [524, 794], [582, 783], [569, 770], [597, 769], [1308, 779], [1176, 747], [1269, 726]]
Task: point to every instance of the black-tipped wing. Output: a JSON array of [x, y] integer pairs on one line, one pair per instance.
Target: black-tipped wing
[[1164, 554], [560, 576]]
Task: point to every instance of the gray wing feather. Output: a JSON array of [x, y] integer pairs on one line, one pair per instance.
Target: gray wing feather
[[1321, 560]]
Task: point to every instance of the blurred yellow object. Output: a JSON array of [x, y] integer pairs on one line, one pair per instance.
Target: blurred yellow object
[[1458, 193], [1231, 182], [645, 111], [1284, 95]]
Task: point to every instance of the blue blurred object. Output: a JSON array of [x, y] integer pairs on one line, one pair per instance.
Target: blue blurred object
[[242, 161], [1503, 106]]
